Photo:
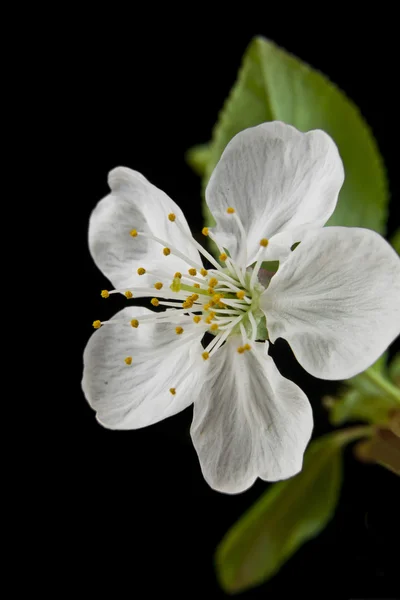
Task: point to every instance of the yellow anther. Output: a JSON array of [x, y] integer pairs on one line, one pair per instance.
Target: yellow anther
[[197, 319], [196, 285], [97, 324], [204, 231], [230, 210], [264, 242], [128, 294], [177, 274], [247, 347], [214, 327], [135, 323], [173, 391], [166, 251], [192, 272], [128, 360], [141, 271], [241, 294], [216, 298], [240, 349], [204, 272], [208, 319], [212, 314], [221, 304], [179, 330], [206, 306], [223, 257], [158, 285], [213, 282], [133, 233], [171, 217], [154, 301], [188, 303], [104, 294], [205, 355], [194, 297]]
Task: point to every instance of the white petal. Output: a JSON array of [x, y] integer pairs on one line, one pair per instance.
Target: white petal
[[336, 300], [276, 178], [132, 396], [249, 421], [134, 203]]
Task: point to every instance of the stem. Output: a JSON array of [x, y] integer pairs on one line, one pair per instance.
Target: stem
[[385, 385], [351, 434]]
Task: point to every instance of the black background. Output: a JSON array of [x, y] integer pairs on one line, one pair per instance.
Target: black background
[[133, 516]]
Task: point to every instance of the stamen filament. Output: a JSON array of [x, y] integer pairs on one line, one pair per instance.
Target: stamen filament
[[199, 247], [173, 250]]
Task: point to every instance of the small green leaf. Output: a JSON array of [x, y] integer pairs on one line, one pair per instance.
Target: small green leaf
[[274, 85], [198, 157], [394, 370], [365, 399], [357, 406], [395, 241], [364, 383], [287, 515]]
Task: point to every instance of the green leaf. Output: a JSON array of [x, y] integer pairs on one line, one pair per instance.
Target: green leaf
[[365, 399], [274, 85], [395, 241], [287, 515], [357, 406], [198, 157], [365, 383], [394, 370]]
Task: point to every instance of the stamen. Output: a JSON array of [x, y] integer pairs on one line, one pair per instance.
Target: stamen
[[213, 282], [205, 355], [173, 391], [166, 251], [230, 210], [204, 231], [197, 319], [171, 249], [128, 360], [141, 271], [199, 247], [264, 242], [214, 327], [253, 326], [179, 330], [171, 217], [135, 323], [218, 341], [97, 324], [196, 285], [158, 285], [192, 272], [240, 349], [241, 294], [179, 275], [133, 232], [223, 257], [128, 294], [204, 272], [104, 294]]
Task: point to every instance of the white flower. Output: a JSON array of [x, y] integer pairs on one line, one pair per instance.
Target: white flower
[[335, 299]]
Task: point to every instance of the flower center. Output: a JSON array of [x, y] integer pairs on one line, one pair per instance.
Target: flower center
[[223, 300]]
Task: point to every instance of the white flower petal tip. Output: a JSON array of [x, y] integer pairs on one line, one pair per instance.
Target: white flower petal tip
[[136, 205], [336, 300], [249, 421], [277, 179], [136, 374]]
